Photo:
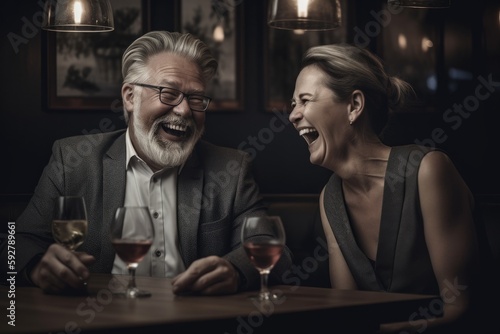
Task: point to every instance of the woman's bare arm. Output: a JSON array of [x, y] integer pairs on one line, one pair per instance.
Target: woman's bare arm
[[447, 210]]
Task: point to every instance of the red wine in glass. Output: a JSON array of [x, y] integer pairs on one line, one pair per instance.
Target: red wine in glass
[[263, 238], [132, 234], [131, 251], [263, 255]]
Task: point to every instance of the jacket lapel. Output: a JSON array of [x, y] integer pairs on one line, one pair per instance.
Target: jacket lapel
[[114, 174], [189, 203]]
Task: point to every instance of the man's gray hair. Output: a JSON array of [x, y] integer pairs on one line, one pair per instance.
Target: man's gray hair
[[135, 58]]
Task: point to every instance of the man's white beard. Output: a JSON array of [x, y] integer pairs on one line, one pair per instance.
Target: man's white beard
[[165, 154]]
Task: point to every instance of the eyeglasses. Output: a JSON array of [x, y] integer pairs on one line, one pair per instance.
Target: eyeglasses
[[174, 97]]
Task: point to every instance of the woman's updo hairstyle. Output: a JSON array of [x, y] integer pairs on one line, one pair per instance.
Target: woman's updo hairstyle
[[349, 68]]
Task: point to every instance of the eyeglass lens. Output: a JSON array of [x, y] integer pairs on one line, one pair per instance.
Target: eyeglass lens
[[174, 97]]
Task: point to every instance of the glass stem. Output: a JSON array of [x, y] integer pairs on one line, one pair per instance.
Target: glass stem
[[131, 280], [264, 290]]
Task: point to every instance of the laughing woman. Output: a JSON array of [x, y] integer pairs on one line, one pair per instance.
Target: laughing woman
[[396, 219]]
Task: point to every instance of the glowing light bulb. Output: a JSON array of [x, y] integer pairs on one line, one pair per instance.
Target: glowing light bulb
[[218, 34], [402, 41], [302, 8], [426, 44], [77, 12]]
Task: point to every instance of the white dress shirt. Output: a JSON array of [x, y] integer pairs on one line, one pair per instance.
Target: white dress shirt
[[158, 191]]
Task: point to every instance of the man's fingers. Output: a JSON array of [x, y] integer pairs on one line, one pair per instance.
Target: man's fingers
[[60, 268], [207, 276], [85, 258], [197, 269], [209, 282], [48, 281], [70, 268]]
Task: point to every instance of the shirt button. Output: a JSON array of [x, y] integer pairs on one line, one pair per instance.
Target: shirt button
[[157, 253], [155, 215]]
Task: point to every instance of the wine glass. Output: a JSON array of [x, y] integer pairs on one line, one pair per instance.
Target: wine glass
[[132, 234], [263, 239], [69, 225]]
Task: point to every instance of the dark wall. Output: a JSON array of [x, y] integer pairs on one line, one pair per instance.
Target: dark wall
[[281, 161]]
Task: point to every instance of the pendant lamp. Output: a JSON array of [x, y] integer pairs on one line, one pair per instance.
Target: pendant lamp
[[304, 14], [78, 16]]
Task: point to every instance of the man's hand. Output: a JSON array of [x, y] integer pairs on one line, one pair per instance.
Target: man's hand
[[60, 270], [211, 275]]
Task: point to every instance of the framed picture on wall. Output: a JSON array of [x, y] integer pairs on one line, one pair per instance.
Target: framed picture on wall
[[218, 24], [83, 70]]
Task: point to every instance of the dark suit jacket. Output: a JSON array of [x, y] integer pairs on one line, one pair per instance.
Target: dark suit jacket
[[215, 192]]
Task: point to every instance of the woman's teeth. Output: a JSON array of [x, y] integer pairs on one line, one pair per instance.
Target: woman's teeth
[[309, 134]]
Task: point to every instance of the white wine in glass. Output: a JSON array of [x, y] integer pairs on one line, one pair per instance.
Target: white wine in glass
[[263, 239], [132, 234], [69, 225]]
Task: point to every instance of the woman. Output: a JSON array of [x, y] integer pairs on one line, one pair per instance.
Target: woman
[[396, 219]]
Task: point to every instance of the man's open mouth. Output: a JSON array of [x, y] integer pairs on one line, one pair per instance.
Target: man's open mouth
[[176, 129], [309, 134]]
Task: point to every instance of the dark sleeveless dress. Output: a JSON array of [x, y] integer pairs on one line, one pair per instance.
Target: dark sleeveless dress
[[403, 262]]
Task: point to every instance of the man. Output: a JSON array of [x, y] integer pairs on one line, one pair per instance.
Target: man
[[198, 194]]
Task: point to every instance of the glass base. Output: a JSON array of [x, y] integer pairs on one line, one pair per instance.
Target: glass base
[[266, 297], [132, 293]]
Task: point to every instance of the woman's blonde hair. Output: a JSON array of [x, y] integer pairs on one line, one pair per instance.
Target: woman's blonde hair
[[349, 68]]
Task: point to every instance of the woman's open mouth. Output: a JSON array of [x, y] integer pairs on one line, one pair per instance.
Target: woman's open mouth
[[309, 134]]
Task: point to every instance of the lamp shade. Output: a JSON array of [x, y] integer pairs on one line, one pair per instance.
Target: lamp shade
[[420, 3], [78, 16], [304, 14]]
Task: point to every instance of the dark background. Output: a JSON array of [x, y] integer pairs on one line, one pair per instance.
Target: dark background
[[282, 165]]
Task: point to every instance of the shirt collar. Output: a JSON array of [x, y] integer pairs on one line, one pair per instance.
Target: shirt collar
[[131, 153]]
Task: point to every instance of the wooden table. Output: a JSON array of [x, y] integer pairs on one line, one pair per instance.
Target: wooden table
[[301, 310]]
